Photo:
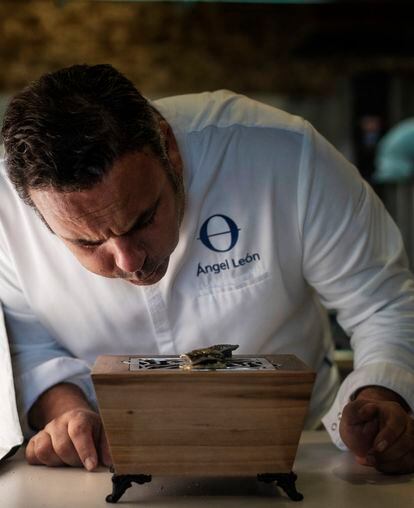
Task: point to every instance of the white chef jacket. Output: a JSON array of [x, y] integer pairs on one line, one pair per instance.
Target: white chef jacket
[[278, 225]]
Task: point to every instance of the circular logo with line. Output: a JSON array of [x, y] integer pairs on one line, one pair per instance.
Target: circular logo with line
[[219, 233]]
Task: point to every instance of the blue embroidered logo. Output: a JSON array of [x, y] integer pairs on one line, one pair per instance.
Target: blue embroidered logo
[[221, 236]]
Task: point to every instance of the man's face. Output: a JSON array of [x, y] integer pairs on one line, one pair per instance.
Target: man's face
[[127, 225]]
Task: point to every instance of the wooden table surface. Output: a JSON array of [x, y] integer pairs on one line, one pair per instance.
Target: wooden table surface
[[327, 477]]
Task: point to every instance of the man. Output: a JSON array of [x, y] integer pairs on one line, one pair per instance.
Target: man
[[157, 228]]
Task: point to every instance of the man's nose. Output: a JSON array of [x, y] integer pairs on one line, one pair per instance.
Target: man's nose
[[128, 255]]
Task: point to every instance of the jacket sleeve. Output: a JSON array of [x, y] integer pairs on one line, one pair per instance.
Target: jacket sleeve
[[38, 361], [10, 430], [353, 256]]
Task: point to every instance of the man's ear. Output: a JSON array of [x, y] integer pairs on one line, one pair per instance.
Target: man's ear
[[171, 147]]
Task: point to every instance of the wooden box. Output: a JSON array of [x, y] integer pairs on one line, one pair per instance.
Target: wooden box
[[163, 420]]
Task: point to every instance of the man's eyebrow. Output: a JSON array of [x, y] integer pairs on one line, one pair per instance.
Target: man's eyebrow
[[139, 222]]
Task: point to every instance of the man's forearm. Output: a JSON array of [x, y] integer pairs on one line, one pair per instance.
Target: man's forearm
[[55, 401], [380, 393]]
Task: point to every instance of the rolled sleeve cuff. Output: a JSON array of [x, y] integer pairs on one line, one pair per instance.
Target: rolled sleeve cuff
[[42, 377], [391, 376]]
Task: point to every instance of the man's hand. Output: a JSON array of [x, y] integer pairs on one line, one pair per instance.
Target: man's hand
[[72, 432], [376, 427]]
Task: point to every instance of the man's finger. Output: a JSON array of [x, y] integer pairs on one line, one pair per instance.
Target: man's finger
[[398, 457], [64, 448], [399, 464], [362, 460], [359, 411], [393, 423], [30, 454], [40, 451], [81, 431], [370, 428], [367, 411], [358, 428], [393, 454]]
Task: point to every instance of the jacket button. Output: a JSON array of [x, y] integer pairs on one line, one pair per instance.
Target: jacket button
[[334, 426]]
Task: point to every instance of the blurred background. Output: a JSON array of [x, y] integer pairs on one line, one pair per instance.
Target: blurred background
[[347, 67]]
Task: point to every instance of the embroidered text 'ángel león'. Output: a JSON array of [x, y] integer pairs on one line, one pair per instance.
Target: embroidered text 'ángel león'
[[227, 264]]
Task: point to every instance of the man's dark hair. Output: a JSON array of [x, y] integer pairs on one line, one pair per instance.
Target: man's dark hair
[[67, 129]]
